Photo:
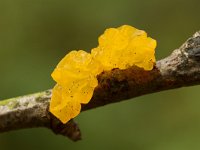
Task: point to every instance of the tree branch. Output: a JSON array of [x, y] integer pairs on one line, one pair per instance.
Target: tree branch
[[181, 68]]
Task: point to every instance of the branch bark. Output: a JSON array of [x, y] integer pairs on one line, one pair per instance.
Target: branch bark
[[181, 68]]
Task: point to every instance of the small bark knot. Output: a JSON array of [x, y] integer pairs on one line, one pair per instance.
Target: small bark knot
[[192, 47]]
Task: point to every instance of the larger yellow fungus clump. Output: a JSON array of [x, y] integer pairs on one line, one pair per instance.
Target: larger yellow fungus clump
[[76, 73], [76, 79]]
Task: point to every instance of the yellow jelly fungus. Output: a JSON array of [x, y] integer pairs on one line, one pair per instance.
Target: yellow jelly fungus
[[125, 46], [76, 79], [76, 73]]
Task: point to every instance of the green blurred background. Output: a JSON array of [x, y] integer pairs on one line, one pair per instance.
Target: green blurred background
[[36, 34]]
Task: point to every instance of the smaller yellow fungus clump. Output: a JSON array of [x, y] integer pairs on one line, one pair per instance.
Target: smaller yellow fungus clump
[[125, 46], [76, 73]]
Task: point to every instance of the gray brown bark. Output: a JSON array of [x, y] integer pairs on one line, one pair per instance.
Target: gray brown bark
[[181, 68]]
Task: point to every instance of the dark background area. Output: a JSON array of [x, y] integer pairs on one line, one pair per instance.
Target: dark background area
[[36, 34]]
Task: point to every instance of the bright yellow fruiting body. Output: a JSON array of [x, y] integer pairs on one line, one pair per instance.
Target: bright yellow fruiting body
[[76, 79], [76, 73], [125, 46]]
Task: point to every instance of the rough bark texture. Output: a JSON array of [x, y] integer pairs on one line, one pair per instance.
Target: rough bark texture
[[181, 68]]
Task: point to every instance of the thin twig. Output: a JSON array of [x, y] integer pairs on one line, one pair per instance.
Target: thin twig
[[181, 68]]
